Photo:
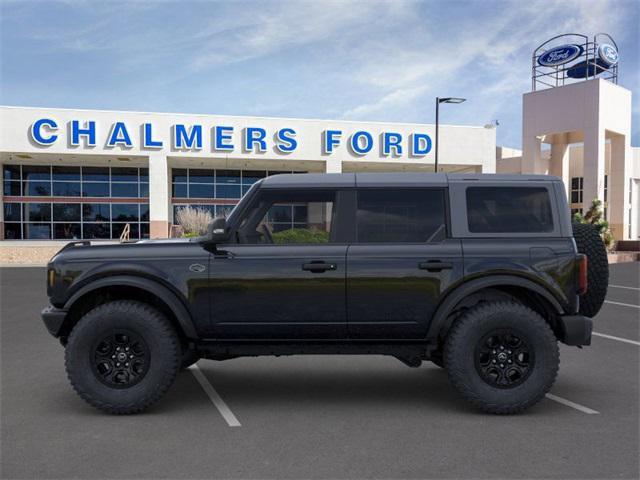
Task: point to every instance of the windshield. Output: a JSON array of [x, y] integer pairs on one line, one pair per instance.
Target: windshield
[[234, 211]]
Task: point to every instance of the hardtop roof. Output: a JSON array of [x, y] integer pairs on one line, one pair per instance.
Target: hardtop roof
[[345, 180]]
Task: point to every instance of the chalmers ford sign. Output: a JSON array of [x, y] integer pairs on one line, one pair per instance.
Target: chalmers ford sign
[[46, 132]]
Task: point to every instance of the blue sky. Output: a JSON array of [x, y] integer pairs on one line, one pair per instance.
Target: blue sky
[[356, 60]]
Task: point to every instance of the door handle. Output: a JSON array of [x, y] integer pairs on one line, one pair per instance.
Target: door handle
[[435, 266], [318, 267]]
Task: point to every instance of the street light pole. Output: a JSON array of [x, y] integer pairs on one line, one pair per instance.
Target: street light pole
[[438, 102], [435, 168]]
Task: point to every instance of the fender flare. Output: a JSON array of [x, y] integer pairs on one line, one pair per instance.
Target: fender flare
[[163, 293], [458, 294]]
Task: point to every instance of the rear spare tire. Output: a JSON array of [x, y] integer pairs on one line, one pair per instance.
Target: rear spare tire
[[590, 243]]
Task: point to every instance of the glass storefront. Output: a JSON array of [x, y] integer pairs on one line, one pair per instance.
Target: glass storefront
[[198, 187], [74, 202]]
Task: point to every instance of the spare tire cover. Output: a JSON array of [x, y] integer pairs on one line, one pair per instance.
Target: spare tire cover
[[590, 243]]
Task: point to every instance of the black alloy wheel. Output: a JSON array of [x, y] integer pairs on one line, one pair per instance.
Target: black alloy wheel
[[121, 359], [504, 359]]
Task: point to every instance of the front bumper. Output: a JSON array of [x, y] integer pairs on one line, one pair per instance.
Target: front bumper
[[53, 319], [576, 330]]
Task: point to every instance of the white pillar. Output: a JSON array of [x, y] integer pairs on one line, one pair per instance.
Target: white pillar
[[619, 186], [559, 161], [531, 154], [333, 165], [159, 196], [593, 166]]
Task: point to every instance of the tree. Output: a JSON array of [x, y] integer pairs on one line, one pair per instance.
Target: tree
[[595, 217]]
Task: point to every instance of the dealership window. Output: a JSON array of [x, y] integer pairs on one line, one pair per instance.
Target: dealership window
[[76, 202], [399, 216], [509, 210], [577, 185], [192, 186]]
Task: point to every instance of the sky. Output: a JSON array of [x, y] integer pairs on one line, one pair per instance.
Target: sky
[[353, 60]]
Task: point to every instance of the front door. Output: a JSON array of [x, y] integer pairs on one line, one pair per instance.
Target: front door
[[285, 278], [401, 263]]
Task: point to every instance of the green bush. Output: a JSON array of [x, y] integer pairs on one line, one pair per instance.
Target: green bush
[[595, 217], [301, 235]]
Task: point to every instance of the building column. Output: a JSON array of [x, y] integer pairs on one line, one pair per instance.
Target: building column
[[619, 186], [531, 154], [158, 195], [333, 165], [593, 166], [559, 161]]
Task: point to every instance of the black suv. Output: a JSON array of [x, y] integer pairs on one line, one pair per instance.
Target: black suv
[[480, 274]]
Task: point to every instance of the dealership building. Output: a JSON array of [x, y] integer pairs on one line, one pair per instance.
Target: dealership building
[[91, 174]]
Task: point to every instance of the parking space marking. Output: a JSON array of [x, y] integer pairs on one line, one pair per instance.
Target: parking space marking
[[622, 304], [627, 288], [619, 339], [222, 407], [571, 404]]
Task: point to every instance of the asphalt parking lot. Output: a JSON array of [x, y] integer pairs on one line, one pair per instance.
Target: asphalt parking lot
[[319, 417]]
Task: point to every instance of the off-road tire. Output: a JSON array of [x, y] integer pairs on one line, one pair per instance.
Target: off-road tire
[[145, 322], [590, 243], [460, 356]]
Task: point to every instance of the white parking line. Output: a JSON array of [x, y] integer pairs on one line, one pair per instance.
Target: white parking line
[[222, 407], [622, 286], [622, 304], [619, 339], [571, 404]]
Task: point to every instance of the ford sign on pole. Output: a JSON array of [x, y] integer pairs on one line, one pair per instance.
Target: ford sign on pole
[[608, 54], [560, 55]]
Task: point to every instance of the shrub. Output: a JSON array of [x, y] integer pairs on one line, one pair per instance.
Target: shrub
[[194, 221], [595, 217], [301, 235]]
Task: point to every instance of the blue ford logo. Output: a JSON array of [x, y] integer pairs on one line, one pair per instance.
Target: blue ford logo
[[560, 55], [608, 54]]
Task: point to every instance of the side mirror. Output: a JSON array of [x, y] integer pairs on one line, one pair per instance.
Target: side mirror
[[218, 230]]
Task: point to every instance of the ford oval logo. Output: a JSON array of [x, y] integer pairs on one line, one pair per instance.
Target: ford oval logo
[[560, 55], [608, 54]]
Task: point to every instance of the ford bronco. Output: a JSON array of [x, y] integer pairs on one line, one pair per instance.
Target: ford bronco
[[480, 274]]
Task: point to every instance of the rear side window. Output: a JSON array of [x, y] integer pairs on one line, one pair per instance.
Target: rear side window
[[400, 216], [509, 210]]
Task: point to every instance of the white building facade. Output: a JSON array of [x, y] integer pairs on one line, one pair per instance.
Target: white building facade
[[86, 174]]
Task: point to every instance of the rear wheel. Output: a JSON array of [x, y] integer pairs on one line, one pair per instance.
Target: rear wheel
[[590, 243], [502, 357], [122, 356]]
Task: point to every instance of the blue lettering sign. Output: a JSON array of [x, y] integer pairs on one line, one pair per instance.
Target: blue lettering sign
[[421, 144], [119, 136], [189, 139], [391, 140], [358, 147], [331, 140], [560, 55], [37, 134], [89, 131], [221, 137], [255, 136], [147, 138], [286, 142]]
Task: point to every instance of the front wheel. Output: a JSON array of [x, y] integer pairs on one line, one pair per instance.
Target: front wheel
[[122, 356], [502, 357]]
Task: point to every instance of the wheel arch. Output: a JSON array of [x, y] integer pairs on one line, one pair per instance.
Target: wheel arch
[[118, 287], [528, 292]]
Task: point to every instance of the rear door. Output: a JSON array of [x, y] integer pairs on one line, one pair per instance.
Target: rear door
[[401, 262]]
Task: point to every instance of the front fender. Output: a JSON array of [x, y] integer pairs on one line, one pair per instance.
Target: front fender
[[155, 288]]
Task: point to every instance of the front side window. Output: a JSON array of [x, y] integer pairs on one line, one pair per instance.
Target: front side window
[[400, 216], [509, 210], [284, 218]]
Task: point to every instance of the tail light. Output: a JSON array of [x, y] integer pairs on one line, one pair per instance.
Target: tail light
[[582, 275]]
